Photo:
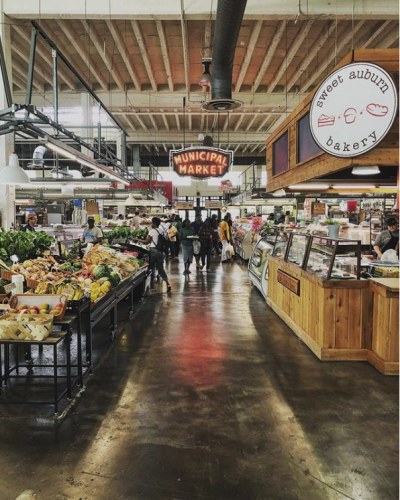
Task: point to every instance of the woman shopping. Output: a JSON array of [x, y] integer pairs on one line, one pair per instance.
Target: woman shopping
[[186, 235], [156, 256], [206, 235]]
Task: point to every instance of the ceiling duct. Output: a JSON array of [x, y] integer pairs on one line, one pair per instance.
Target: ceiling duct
[[227, 25]]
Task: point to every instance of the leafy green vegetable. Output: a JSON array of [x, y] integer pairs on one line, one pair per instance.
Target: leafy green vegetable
[[124, 233], [25, 245]]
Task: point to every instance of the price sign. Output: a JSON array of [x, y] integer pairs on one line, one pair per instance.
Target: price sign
[[213, 204], [184, 205], [9, 288]]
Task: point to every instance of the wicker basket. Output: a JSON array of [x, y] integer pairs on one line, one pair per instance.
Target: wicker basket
[[25, 326], [6, 275], [36, 300]]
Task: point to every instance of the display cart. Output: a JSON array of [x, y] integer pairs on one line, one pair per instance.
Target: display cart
[[242, 240]]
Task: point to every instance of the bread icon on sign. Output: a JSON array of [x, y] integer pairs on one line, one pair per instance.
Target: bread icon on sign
[[350, 115], [377, 109]]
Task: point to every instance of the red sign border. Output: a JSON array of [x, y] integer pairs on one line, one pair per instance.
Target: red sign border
[[227, 152]]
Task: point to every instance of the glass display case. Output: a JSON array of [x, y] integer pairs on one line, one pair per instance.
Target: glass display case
[[328, 258], [242, 235], [297, 248], [281, 243]]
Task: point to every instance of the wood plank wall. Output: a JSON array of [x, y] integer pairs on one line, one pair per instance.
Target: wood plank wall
[[386, 153]]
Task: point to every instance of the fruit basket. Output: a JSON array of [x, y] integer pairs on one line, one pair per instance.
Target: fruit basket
[[23, 326], [52, 305]]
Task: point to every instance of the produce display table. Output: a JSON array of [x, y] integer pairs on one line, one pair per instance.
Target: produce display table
[[54, 340], [130, 287]]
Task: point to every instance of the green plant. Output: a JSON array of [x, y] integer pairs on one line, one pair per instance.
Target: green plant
[[25, 245], [332, 222]]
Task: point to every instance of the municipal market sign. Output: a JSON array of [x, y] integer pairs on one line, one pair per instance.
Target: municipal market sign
[[201, 162], [353, 109]]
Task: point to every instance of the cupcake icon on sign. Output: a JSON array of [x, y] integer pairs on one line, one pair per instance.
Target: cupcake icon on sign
[[350, 115]]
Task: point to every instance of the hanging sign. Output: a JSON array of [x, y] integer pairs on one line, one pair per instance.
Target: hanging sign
[[201, 162], [353, 109], [213, 204], [318, 208], [226, 185], [184, 205]]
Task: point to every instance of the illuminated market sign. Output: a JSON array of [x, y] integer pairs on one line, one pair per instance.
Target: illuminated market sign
[[353, 109], [202, 162]]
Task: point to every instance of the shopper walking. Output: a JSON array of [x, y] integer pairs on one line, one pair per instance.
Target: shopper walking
[[185, 235], [177, 223], [156, 256], [196, 225], [226, 237], [206, 235], [215, 224]]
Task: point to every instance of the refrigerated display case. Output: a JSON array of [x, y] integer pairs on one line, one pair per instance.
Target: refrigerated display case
[[258, 262], [242, 235]]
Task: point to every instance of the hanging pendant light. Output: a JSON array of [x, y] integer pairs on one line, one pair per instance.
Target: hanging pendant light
[[13, 173], [366, 170], [279, 192], [205, 80]]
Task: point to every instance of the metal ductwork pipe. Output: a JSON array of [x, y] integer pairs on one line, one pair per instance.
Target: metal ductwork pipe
[[227, 25], [37, 158]]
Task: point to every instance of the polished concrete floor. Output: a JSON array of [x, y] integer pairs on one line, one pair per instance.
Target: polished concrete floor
[[206, 394]]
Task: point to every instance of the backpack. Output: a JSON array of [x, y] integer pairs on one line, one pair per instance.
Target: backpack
[[162, 243]]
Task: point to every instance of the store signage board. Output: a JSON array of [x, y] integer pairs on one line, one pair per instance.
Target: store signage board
[[226, 185], [318, 208], [213, 204], [353, 110], [201, 162], [289, 282], [184, 205]]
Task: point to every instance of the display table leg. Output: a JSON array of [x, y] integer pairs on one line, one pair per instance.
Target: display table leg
[[55, 380], [69, 386], [6, 364], [79, 349]]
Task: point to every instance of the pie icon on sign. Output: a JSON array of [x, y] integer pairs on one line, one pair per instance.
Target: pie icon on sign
[[377, 109]]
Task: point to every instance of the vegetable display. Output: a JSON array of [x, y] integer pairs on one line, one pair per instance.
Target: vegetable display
[[124, 233], [25, 245]]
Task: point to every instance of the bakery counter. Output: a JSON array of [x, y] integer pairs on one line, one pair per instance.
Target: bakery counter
[[330, 316], [339, 320], [384, 348]]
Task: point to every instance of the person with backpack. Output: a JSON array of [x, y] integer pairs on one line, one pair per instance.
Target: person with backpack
[[158, 241], [186, 236]]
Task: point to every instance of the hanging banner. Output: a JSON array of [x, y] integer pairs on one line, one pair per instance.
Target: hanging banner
[[353, 109], [201, 162], [184, 205]]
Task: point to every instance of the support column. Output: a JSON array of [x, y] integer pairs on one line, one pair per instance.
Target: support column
[[7, 193], [87, 112]]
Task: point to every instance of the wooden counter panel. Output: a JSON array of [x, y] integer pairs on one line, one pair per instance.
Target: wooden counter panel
[[334, 318]]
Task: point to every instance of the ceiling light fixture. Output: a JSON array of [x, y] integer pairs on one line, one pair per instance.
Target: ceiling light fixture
[[205, 80], [353, 186], [366, 170], [301, 187], [279, 192], [69, 152], [13, 173]]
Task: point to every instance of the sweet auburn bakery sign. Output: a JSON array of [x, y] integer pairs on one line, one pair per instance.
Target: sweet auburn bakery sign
[[201, 162], [353, 109]]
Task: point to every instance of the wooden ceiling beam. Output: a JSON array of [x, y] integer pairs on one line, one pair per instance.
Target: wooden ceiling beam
[[128, 120], [263, 123], [269, 54], [153, 122], [165, 120], [190, 121], [164, 51], [389, 39], [185, 48], [145, 56], [40, 70], [249, 53], [370, 38], [311, 55], [23, 74], [75, 41], [90, 29], [239, 122], [349, 34], [46, 55], [141, 122], [165, 148], [254, 148], [251, 122], [237, 147], [226, 123], [290, 55], [120, 43], [19, 82], [202, 122], [178, 123]]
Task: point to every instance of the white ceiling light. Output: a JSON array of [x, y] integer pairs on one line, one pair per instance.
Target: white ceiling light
[[279, 192], [13, 173], [353, 186], [366, 170], [130, 201], [310, 186]]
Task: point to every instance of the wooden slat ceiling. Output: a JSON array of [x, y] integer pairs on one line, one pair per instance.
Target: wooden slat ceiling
[[133, 62]]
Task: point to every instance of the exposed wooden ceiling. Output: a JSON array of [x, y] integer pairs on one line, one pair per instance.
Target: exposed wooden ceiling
[[142, 69]]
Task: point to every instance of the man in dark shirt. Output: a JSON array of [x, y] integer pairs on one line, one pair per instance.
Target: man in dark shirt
[[215, 224], [196, 225], [30, 226]]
